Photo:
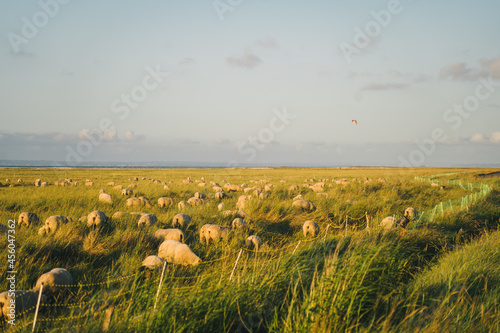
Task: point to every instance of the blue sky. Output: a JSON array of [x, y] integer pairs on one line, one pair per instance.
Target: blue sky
[[225, 69]]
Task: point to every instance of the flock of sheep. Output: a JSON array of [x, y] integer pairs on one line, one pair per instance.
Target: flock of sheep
[[172, 248]]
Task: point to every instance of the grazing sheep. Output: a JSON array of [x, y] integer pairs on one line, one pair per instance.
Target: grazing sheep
[[221, 206], [118, 215], [298, 197], [140, 201], [152, 262], [101, 191], [217, 189], [147, 220], [96, 218], [388, 223], [215, 233], [196, 202], [20, 181], [26, 219], [181, 220], [267, 188], [202, 184], [165, 187], [118, 187], [54, 282], [199, 195], [111, 184], [239, 223], [14, 303], [7, 180], [324, 195], [83, 219], [38, 182], [89, 183], [132, 186], [254, 242], [203, 233], [183, 205], [106, 198], [310, 228], [316, 188], [177, 253], [165, 202], [135, 179], [411, 213], [238, 213], [53, 223], [220, 195], [248, 189], [304, 205], [232, 188], [402, 222], [172, 234], [44, 184], [127, 192], [263, 196]]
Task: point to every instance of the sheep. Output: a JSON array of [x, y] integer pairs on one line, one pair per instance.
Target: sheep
[[127, 192], [7, 180], [140, 201], [20, 181], [411, 213], [247, 189], [221, 206], [220, 195], [402, 222], [96, 219], [111, 184], [118, 187], [388, 223], [232, 188], [310, 228], [253, 242], [183, 205], [165, 187], [239, 223], [135, 179], [132, 186], [152, 262], [324, 195], [217, 189], [89, 183], [52, 223], [101, 191], [196, 202], [304, 205], [172, 234], [54, 282], [216, 232], [26, 219], [83, 219], [202, 184], [203, 233], [14, 303], [239, 213], [263, 196], [298, 197], [181, 220], [44, 184], [267, 188], [177, 253], [199, 195], [106, 198], [165, 202], [316, 188], [147, 220], [38, 182]]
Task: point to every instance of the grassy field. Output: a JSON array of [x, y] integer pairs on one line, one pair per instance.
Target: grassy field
[[440, 274]]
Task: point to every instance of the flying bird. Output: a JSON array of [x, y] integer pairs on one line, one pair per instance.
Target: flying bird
[[355, 122]]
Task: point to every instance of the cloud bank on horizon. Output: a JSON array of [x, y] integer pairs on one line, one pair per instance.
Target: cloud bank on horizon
[[242, 82]]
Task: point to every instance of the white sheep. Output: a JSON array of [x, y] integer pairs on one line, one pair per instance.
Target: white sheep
[[310, 228], [232, 188], [172, 234], [96, 219], [411, 213], [388, 223], [177, 253], [106, 198], [26, 219], [165, 202], [215, 233], [199, 195], [14, 303], [54, 282], [152, 263], [52, 223], [132, 186], [183, 205], [140, 201], [118, 215], [127, 192], [239, 223], [221, 206], [89, 183], [38, 182], [118, 187], [147, 220], [181, 220], [298, 197], [220, 195], [254, 242], [304, 205], [203, 233], [111, 184], [196, 201]]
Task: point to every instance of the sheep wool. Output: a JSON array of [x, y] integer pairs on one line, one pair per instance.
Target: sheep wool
[[26, 219], [310, 228], [177, 253], [253, 242], [172, 234], [24, 299], [54, 281]]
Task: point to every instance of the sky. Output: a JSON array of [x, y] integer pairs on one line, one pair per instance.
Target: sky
[[239, 82]]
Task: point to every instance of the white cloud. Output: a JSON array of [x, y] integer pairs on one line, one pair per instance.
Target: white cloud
[[495, 137], [248, 60], [462, 71], [477, 138]]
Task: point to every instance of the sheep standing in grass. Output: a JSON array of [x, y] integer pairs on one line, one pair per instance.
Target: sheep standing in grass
[[118, 215], [402, 222], [221, 206], [411, 213], [215, 233], [147, 220], [54, 282], [152, 263], [165, 202], [52, 224], [181, 220], [310, 228], [220, 195], [177, 253], [138, 202], [199, 195], [172, 234], [239, 213], [203, 233], [38, 182], [239, 223], [196, 202], [96, 219], [106, 198], [26, 219], [183, 205], [127, 192], [118, 187], [304, 205], [13, 304], [253, 242], [388, 223]]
